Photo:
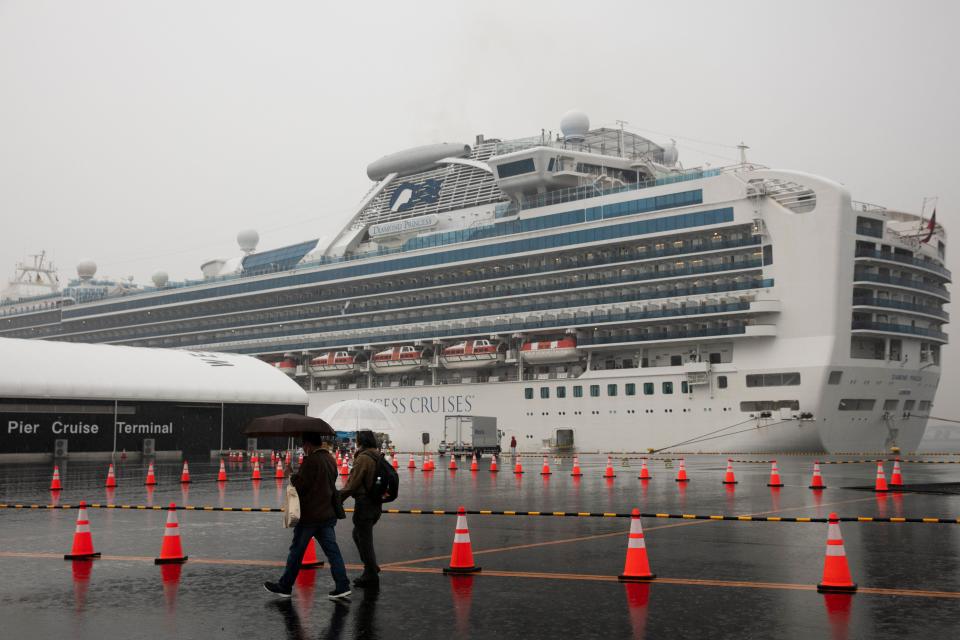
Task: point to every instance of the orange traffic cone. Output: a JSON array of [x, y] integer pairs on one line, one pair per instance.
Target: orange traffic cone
[[461, 559], [170, 551], [518, 468], [836, 571], [395, 462], [881, 484], [111, 477], [55, 481], [896, 477], [412, 464], [278, 474], [637, 567], [288, 459], [575, 472], [185, 474], [728, 477], [473, 464], [774, 476], [453, 463], [644, 472], [816, 482], [493, 464], [608, 472], [426, 463], [256, 471], [546, 467], [300, 459], [82, 541], [344, 468], [310, 560], [682, 473], [222, 474], [151, 476]]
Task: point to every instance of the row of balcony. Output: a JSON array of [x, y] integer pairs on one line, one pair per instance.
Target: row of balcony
[[902, 259], [870, 301], [887, 327]]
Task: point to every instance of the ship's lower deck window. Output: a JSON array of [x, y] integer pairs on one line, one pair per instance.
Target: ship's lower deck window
[[773, 379], [561, 392], [594, 391], [923, 406], [857, 404], [630, 389], [544, 393], [611, 389], [909, 404], [835, 377], [769, 405], [577, 391], [648, 388], [667, 387], [528, 393], [890, 405], [722, 382]]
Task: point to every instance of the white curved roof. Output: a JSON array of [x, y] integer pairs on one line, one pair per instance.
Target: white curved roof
[[50, 369]]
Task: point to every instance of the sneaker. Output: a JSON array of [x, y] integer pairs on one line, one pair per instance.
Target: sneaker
[[337, 594], [276, 589]]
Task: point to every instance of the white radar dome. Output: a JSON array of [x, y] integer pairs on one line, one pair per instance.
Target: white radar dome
[[670, 155], [574, 125], [248, 240], [160, 279], [86, 269]]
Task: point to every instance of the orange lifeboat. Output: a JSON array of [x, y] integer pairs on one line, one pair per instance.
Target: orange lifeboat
[[399, 360], [471, 354], [333, 364], [288, 366], [547, 351]]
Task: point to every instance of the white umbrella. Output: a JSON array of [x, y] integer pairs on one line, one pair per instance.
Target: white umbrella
[[357, 415]]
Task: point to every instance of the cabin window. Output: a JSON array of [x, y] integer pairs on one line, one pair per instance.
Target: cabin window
[[676, 361], [715, 358], [857, 404], [773, 379], [667, 388], [561, 392], [577, 391], [544, 393], [516, 168], [611, 389], [835, 377], [630, 389], [722, 382], [890, 405], [648, 388], [528, 393], [594, 391], [684, 387]]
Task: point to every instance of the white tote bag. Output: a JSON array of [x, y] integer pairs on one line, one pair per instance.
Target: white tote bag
[[291, 508]]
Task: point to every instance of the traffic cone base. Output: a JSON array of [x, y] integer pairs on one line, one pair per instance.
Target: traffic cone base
[[682, 472]]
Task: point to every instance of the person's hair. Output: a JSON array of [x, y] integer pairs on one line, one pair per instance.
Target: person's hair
[[311, 437], [367, 440]]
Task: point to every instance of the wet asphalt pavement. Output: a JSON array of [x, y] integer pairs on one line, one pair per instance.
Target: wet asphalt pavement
[[543, 577]]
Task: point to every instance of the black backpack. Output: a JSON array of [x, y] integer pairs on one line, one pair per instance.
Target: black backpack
[[386, 481]]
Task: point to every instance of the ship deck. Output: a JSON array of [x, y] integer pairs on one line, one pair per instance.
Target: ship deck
[[543, 576]]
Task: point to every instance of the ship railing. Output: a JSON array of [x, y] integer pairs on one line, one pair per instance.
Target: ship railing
[[871, 301], [910, 260], [866, 325], [903, 282]]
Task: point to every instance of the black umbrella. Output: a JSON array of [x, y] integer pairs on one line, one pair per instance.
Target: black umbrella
[[288, 424]]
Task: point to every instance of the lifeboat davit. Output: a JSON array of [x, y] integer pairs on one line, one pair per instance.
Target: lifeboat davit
[[288, 366], [399, 360], [471, 354], [333, 364], [550, 351]]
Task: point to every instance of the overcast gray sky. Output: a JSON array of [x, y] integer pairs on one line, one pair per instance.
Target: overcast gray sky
[[144, 135]]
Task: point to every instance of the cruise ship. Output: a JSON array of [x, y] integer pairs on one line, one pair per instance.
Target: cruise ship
[[582, 287]]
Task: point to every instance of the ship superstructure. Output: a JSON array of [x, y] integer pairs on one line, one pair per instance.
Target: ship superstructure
[[587, 290]]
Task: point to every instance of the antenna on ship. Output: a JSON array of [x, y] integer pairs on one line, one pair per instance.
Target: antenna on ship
[[620, 141], [743, 152]]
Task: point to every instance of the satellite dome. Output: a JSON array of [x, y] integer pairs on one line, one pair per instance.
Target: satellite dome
[[86, 269], [574, 124], [248, 240], [670, 154], [160, 279]]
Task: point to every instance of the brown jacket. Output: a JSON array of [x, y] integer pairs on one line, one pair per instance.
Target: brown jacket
[[313, 484], [362, 475]]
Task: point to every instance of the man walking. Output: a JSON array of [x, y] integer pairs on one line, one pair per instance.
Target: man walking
[[366, 508], [316, 487]]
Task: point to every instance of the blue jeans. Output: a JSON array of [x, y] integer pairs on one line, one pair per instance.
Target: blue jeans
[[327, 537]]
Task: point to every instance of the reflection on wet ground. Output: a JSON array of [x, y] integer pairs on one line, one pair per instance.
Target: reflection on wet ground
[[542, 576]]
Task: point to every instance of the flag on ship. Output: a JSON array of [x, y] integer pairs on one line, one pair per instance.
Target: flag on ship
[[930, 227]]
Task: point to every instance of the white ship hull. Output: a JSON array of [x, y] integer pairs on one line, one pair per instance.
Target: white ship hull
[[638, 423]]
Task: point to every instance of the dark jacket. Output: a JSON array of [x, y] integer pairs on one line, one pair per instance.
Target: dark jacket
[[362, 475], [313, 484]]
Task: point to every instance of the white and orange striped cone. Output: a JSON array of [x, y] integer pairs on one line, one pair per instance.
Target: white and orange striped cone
[[82, 540], [344, 468], [546, 467], [394, 462], [836, 571], [896, 476], [300, 459], [256, 470], [494, 468], [728, 477], [518, 468], [575, 472], [608, 472], [461, 559], [881, 483], [682, 472], [474, 466], [816, 482], [453, 463], [426, 463], [278, 474], [170, 551], [111, 477], [55, 481], [310, 559], [288, 459], [412, 464], [151, 478], [185, 474], [774, 476], [637, 566], [644, 471], [222, 474]]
